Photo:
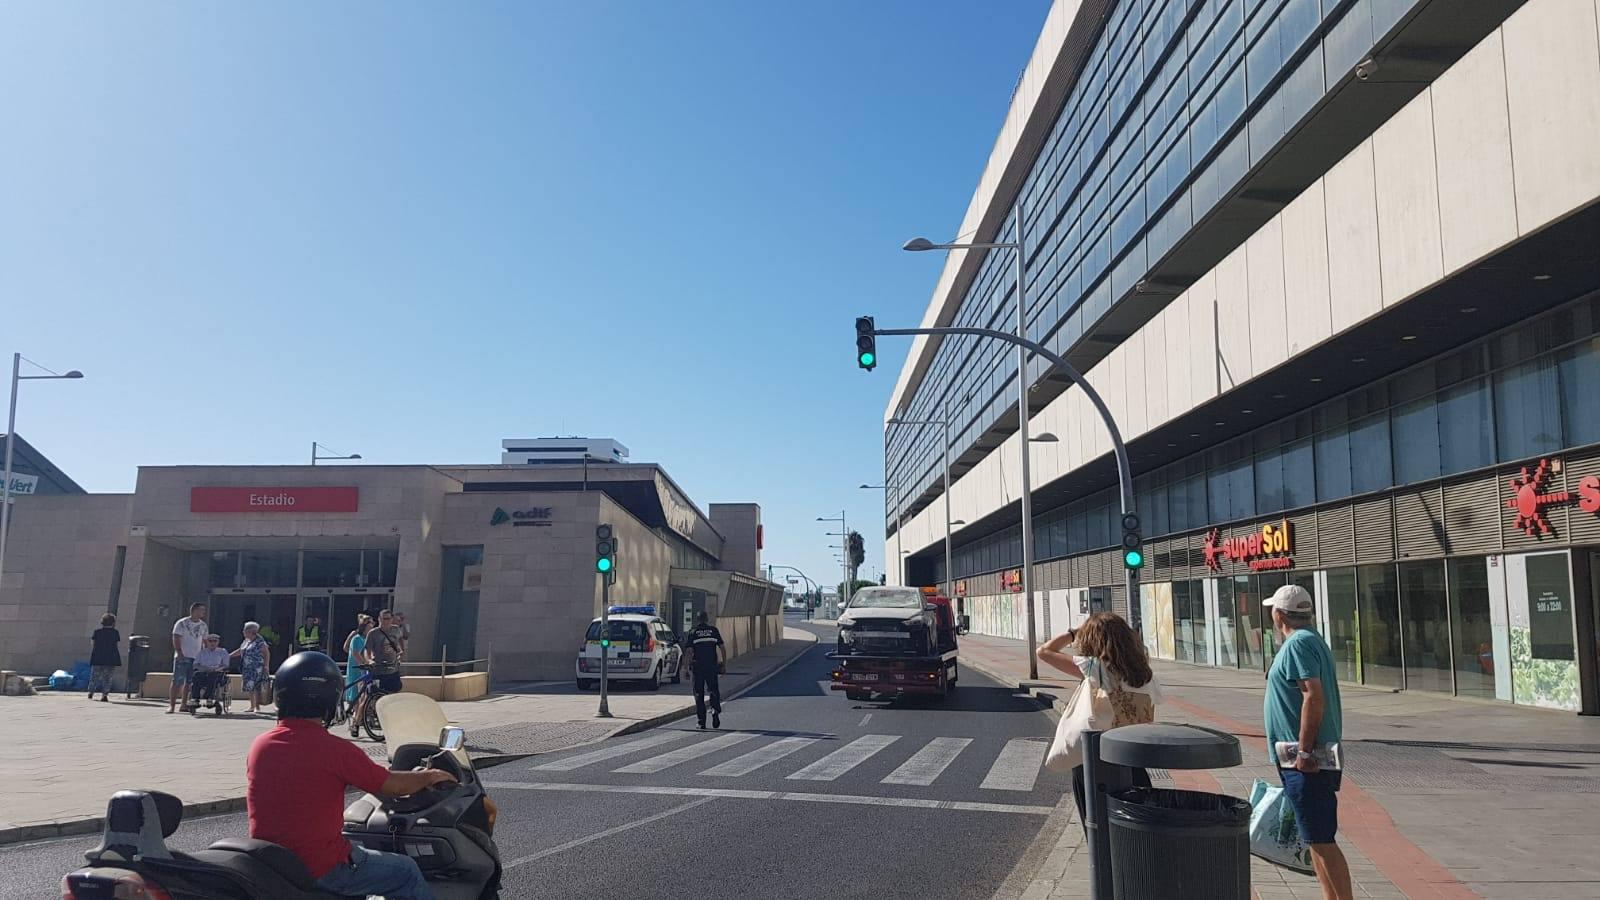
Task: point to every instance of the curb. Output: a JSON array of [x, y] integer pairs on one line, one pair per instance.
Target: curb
[[92, 824], [1052, 696]]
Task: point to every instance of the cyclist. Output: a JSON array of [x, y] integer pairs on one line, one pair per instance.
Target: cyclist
[[383, 647]]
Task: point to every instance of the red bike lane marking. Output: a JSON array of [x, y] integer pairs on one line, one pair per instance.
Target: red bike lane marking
[[1365, 822]]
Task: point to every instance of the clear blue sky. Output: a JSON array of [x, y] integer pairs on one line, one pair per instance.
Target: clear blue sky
[[410, 230]]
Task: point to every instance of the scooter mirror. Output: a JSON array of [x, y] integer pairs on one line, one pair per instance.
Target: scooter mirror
[[452, 739]]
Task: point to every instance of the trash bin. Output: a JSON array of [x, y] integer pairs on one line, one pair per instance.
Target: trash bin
[[138, 663], [1171, 843]]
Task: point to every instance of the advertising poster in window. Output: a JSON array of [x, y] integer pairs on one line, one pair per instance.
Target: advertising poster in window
[[1166, 643], [1544, 670]]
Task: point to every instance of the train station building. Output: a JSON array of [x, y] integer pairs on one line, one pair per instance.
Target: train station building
[[1335, 268], [493, 564]]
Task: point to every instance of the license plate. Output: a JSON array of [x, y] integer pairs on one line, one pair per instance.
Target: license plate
[[883, 634], [866, 678]]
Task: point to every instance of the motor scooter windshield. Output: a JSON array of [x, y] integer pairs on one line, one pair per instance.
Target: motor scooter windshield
[[413, 719]]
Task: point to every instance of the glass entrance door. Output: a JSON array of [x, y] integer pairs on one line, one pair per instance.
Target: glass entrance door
[[275, 613]]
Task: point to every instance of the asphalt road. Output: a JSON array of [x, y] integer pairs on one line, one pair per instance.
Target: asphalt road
[[802, 793]]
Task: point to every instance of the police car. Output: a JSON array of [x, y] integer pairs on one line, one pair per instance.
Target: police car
[[642, 649]]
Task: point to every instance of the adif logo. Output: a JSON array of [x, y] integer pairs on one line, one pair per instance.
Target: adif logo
[[500, 517]]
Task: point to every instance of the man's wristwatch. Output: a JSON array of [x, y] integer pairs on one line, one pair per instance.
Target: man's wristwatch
[[1301, 754]]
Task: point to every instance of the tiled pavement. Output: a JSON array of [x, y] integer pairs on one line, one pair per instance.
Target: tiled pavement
[[1443, 798]]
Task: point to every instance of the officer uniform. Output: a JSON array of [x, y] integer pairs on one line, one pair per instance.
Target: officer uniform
[[704, 640], [308, 638]]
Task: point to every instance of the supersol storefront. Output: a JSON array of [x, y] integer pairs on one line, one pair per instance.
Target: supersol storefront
[[1481, 586]]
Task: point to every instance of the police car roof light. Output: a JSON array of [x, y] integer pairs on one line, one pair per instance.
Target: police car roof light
[[635, 610]]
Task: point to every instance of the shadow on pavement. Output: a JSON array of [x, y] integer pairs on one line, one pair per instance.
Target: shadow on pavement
[[963, 699]]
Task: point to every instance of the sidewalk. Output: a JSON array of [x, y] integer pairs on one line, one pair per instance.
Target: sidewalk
[[73, 754], [1442, 798]]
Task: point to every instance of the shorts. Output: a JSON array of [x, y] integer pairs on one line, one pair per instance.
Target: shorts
[[1315, 799], [390, 683], [182, 671]]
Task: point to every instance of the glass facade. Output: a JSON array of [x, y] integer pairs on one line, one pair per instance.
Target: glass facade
[[1497, 627], [1175, 102], [1533, 389]]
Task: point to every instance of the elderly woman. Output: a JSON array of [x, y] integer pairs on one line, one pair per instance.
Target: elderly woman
[[254, 655]]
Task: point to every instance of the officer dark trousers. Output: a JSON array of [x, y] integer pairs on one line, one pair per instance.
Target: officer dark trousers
[[705, 679]]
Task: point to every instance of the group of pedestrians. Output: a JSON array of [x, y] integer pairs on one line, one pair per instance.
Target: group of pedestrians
[[200, 663], [1301, 710]]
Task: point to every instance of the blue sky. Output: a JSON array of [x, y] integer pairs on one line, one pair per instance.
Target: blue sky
[[409, 230]]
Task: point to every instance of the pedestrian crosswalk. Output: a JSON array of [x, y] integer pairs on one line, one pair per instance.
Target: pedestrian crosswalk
[[1013, 766]]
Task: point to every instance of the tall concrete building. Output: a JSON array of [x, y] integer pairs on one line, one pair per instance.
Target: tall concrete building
[[1335, 268], [560, 450]]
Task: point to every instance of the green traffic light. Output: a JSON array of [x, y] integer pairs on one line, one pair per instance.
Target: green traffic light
[[605, 642], [1133, 559], [602, 565], [868, 359]]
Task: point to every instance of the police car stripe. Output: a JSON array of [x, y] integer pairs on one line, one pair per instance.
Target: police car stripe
[[684, 754]]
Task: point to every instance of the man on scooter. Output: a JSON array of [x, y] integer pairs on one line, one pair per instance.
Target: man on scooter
[[298, 774]]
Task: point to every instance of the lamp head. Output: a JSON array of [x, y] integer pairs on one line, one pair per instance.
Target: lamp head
[[73, 374], [919, 243]]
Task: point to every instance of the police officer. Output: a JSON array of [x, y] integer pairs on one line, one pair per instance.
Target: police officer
[[308, 637], [710, 656]]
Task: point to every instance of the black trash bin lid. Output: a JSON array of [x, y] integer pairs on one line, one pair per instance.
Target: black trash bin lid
[[1159, 746]]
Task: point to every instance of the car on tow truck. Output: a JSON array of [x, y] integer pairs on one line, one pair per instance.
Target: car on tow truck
[[894, 641]]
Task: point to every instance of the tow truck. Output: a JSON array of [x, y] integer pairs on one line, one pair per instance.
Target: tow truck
[[895, 641]]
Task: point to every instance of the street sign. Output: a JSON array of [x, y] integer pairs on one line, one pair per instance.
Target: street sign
[[23, 484]]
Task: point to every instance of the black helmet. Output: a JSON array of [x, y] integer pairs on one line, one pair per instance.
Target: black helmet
[[307, 686]]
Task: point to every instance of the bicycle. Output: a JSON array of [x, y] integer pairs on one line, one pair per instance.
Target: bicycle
[[368, 690]]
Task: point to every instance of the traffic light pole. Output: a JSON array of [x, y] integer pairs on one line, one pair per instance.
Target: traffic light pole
[[605, 645], [1118, 449]]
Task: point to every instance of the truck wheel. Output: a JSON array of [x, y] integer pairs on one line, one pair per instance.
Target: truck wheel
[[585, 684], [857, 695]]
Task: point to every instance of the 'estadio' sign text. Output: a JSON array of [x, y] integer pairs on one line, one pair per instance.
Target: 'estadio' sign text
[[1268, 548], [273, 499]]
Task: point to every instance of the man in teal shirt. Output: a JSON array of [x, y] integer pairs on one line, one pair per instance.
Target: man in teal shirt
[[1302, 708]]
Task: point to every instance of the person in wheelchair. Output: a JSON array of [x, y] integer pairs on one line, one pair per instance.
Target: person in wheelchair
[[210, 681]]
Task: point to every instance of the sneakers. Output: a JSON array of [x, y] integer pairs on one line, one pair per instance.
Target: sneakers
[[702, 726]]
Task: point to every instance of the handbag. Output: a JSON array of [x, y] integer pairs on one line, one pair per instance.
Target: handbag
[[1274, 831], [1095, 708]]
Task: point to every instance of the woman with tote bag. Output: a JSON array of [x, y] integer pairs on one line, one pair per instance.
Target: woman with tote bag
[[1118, 689]]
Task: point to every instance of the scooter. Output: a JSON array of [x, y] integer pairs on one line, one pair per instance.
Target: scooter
[[447, 829]]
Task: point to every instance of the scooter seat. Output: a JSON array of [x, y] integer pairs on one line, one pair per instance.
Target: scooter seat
[[279, 859]]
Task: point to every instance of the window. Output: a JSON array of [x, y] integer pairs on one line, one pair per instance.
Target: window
[[1416, 441], [1344, 636], [1333, 464], [1369, 454], [1466, 427], [1580, 392], [1247, 600], [1380, 626], [1527, 409], [1425, 621], [1470, 628]]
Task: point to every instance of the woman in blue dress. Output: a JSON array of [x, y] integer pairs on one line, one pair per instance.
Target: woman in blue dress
[[355, 648], [254, 659]]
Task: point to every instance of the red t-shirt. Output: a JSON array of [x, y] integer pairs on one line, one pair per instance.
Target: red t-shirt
[[298, 774]]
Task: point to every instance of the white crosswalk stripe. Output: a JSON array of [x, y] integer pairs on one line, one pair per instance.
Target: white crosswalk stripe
[[928, 763], [845, 758], [761, 756], [610, 751], [1017, 766], [684, 754]]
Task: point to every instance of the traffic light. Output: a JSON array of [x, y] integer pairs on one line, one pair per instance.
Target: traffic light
[[1132, 543], [605, 553], [866, 344]]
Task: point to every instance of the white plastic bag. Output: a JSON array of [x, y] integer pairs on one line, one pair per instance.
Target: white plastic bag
[[1274, 832], [1088, 710]]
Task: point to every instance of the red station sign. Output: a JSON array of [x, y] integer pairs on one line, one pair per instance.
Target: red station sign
[[274, 499]]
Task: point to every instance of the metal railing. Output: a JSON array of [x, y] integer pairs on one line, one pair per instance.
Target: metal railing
[[445, 664]]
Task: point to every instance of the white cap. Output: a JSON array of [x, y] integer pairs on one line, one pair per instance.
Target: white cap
[[1291, 598]]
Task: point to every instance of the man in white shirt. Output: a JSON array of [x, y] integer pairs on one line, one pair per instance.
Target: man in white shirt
[[188, 639]]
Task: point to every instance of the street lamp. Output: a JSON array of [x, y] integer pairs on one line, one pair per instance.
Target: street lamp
[[316, 456], [1019, 246], [11, 443], [844, 562]]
